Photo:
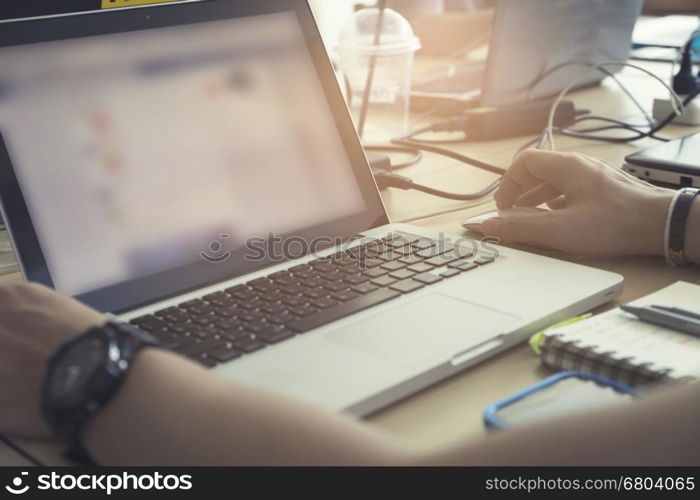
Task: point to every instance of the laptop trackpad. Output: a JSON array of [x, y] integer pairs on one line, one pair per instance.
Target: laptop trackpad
[[430, 329]]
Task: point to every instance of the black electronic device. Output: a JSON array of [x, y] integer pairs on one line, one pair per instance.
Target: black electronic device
[[673, 163]]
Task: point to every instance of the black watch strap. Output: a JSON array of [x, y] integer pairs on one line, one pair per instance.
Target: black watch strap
[[69, 423], [677, 226]]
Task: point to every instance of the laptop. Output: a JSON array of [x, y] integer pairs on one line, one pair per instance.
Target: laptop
[[193, 169], [536, 48]]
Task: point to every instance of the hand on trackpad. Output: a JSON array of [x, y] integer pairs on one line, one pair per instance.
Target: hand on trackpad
[[425, 331]]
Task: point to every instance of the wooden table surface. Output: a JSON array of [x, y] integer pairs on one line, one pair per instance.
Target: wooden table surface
[[451, 410]]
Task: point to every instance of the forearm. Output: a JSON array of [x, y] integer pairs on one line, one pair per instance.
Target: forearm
[[662, 430], [172, 412]]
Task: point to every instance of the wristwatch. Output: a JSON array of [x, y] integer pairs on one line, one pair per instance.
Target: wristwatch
[[676, 226], [82, 377]]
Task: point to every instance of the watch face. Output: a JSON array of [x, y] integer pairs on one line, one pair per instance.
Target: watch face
[[77, 367]]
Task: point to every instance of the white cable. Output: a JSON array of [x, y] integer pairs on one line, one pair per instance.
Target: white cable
[[629, 94], [676, 101]]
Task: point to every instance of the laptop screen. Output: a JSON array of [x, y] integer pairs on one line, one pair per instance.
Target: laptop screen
[[142, 152]]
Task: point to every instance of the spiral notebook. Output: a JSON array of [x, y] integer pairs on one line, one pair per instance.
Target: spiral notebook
[[618, 346]]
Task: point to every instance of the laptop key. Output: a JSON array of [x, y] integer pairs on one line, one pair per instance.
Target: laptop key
[[249, 345], [202, 359], [216, 296], [244, 294], [295, 301], [457, 263], [345, 295], [356, 279], [250, 316], [407, 286], [365, 288], [353, 269], [307, 274], [375, 272], [334, 276], [281, 318], [202, 347], [228, 312], [316, 293], [371, 262], [423, 244], [408, 237], [411, 259], [224, 355], [393, 266], [384, 281], [167, 311], [300, 268], [273, 308], [203, 320], [442, 260], [324, 303], [201, 309], [190, 303], [287, 279], [421, 267], [345, 309], [235, 335], [149, 323], [449, 273], [266, 287], [276, 296], [313, 282], [178, 329], [274, 336], [303, 311], [427, 278], [176, 318], [336, 286], [294, 290], [467, 266], [402, 274], [259, 327], [483, 261]]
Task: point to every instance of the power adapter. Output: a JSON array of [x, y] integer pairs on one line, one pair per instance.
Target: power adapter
[[690, 116], [510, 121]]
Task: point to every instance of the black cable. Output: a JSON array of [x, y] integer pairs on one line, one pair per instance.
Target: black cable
[[450, 154], [454, 196], [21, 452], [417, 154], [388, 179], [616, 125], [660, 125], [651, 132], [372, 65]]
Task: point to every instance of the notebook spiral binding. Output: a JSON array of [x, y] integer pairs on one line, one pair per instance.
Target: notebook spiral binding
[[563, 355]]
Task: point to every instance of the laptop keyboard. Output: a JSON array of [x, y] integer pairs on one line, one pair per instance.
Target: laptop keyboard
[[223, 326]]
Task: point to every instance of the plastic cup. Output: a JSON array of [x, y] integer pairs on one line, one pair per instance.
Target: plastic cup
[[388, 106]]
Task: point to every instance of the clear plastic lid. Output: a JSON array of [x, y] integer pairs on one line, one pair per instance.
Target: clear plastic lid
[[396, 38]]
